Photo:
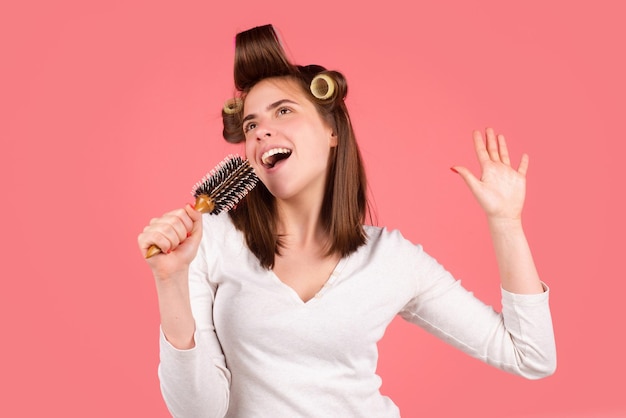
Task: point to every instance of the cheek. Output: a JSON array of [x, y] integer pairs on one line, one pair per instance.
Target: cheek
[[250, 154], [249, 149]]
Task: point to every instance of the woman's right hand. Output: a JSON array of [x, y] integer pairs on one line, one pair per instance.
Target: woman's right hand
[[177, 234]]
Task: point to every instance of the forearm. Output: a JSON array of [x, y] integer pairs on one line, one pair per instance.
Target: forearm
[[177, 322], [192, 370], [518, 273]]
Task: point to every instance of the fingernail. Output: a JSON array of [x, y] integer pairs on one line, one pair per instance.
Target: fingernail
[[454, 169]]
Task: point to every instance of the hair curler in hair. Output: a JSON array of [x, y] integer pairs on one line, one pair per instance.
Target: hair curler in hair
[[323, 86], [232, 106]]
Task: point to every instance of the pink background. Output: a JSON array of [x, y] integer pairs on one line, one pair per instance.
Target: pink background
[[110, 113]]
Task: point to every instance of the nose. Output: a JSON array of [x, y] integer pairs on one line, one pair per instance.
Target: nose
[[264, 130]]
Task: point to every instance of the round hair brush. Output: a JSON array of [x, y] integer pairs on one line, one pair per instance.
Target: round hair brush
[[221, 189]]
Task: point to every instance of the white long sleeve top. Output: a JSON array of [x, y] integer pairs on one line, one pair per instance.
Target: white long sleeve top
[[262, 352]]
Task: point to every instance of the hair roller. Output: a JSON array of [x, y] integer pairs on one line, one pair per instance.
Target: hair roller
[[233, 106], [323, 86]]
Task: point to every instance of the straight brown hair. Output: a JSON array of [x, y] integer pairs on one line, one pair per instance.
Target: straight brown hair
[[259, 55]]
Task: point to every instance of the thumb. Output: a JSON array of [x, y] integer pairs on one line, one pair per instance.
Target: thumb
[[196, 217], [471, 181]]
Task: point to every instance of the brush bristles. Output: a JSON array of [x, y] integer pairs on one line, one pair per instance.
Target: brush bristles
[[228, 183]]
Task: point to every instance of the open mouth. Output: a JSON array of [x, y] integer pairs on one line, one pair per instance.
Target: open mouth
[[273, 156]]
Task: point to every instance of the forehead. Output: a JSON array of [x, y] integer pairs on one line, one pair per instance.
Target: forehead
[[271, 90]]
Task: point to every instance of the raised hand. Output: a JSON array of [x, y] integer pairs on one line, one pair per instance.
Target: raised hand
[[501, 189]]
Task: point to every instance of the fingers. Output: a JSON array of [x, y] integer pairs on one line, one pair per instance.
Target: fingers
[[170, 230], [523, 165], [467, 176], [503, 150], [493, 148], [492, 145], [193, 214], [195, 234], [500, 189], [479, 147]]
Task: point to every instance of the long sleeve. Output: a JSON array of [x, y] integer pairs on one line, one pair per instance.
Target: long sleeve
[[520, 340], [196, 382], [319, 358]]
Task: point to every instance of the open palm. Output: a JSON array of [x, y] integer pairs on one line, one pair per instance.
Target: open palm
[[501, 189]]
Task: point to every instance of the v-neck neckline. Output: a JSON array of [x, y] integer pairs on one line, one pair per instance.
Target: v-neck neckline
[[330, 281]]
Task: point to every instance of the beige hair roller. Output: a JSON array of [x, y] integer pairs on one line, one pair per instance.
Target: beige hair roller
[[232, 106], [323, 86]]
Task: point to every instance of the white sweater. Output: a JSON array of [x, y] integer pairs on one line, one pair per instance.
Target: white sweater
[[262, 352]]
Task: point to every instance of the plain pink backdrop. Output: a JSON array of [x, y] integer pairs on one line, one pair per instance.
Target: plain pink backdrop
[[110, 112]]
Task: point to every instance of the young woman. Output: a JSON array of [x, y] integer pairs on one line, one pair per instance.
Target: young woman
[[275, 309]]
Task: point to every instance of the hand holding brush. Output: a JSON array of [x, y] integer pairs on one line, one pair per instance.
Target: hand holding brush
[[220, 190]]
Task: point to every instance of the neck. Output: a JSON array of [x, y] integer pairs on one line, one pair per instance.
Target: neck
[[299, 224]]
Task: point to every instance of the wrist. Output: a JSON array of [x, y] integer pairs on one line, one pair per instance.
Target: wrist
[[173, 280], [504, 223]]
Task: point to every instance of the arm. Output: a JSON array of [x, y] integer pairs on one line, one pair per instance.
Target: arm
[[501, 191], [195, 382], [521, 339], [192, 371], [178, 235]]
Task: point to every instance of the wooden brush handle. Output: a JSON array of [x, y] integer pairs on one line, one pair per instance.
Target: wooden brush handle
[[203, 204]]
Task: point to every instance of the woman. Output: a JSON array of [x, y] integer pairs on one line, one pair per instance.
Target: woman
[[275, 309]]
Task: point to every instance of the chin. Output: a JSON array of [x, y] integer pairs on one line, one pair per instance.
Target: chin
[[280, 193]]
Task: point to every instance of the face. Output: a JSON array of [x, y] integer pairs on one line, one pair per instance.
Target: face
[[287, 141]]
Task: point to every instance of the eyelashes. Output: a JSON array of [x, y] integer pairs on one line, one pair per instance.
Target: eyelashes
[[248, 127], [283, 110]]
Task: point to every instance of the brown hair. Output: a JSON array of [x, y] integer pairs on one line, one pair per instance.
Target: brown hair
[[259, 55]]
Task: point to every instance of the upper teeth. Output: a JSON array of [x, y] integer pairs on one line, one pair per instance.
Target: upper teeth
[[272, 152]]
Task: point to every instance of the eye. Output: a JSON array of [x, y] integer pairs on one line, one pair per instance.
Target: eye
[[283, 111], [248, 127]]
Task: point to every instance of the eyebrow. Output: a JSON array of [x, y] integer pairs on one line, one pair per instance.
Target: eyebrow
[[269, 107]]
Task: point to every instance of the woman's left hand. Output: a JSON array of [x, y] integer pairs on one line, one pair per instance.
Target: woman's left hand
[[501, 189]]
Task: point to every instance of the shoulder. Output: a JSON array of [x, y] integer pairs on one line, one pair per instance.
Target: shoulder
[[220, 223], [403, 259], [396, 262], [388, 239], [391, 248], [219, 234]]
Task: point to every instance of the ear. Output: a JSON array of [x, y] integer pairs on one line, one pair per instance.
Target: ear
[[333, 140]]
